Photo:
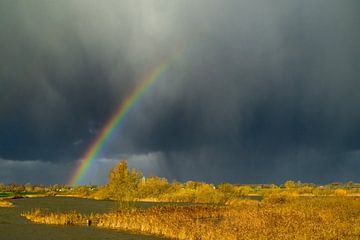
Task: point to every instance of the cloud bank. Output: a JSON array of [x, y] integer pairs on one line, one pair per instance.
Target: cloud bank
[[262, 92]]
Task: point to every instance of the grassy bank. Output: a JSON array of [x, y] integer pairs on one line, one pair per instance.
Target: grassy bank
[[14, 195], [289, 218]]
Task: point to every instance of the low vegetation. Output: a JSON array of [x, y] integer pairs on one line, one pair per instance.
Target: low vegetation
[[13, 191], [130, 185], [292, 210], [5, 204], [41, 216], [298, 218]]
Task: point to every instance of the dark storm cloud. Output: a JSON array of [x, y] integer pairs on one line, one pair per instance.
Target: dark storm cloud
[[262, 91], [36, 172], [54, 89]]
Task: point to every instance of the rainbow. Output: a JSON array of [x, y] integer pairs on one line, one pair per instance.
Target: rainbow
[[118, 117]]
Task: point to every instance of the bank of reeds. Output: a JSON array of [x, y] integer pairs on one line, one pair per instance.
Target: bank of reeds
[[316, 218], [46, 217], [5, 204]]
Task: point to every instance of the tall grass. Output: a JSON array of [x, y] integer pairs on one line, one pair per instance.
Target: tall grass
[[295, 218], [45, 217], [5, 204]]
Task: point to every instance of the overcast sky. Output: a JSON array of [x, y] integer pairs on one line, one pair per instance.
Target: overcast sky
[[261, 92]]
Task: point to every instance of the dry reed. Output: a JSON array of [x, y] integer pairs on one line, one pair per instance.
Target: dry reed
[[301, 218], [5, 204]]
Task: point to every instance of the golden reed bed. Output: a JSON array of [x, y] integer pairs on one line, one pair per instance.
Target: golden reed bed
[[316, 218], [5, 204]]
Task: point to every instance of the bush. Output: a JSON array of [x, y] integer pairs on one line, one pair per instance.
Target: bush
[[340, 192], [289, 184], [277, 196], [153, 187]]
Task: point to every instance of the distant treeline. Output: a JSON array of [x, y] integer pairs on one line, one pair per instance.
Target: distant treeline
[[130, 185], [19, 188]]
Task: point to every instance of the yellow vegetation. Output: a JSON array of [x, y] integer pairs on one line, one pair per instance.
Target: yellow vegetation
[[41, 216], [289, 211], [130, 185], [5, 204], [295, 218]]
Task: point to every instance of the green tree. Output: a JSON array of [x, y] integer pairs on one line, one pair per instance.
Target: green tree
[[153, 187], [123, 183]]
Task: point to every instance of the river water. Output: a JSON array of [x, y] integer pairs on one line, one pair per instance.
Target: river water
[[15, 227]]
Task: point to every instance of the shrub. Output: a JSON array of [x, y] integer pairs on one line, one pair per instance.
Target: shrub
[[340, 192], [277, 196]]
